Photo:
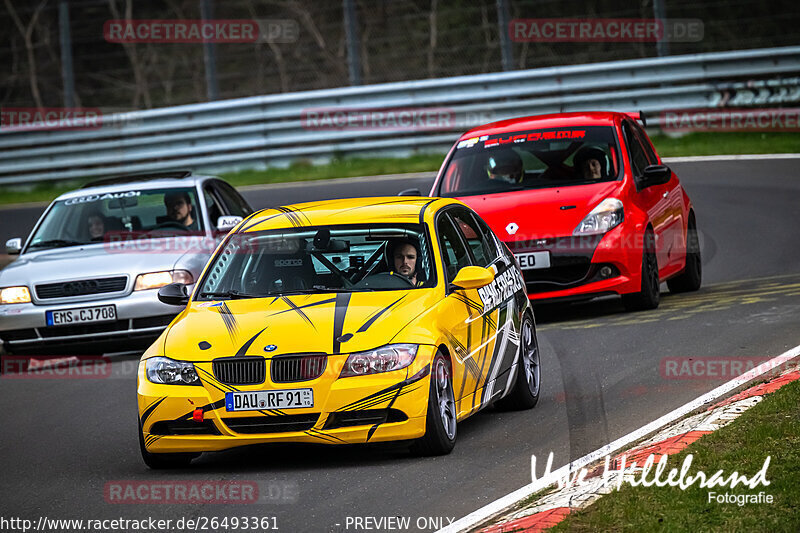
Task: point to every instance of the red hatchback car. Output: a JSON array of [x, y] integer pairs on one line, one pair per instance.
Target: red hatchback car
[[583, 201]]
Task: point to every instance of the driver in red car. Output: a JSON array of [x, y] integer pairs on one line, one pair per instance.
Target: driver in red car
[[590, 163], [505, 166]]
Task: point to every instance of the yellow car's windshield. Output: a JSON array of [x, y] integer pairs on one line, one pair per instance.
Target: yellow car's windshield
[[320, 259]]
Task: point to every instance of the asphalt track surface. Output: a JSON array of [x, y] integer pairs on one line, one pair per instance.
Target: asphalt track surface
[[64, 440]]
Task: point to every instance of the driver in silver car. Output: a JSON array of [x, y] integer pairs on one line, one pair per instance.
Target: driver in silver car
[[179, 209]]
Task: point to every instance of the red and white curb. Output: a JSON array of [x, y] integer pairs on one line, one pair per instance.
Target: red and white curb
[[673, 434]]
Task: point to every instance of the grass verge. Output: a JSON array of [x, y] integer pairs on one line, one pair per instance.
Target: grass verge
[[688, 145], [771, 428]]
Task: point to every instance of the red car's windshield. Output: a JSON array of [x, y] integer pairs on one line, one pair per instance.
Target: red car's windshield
[[531, 159]]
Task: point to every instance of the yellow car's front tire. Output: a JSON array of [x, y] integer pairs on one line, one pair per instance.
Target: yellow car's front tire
[[440, 423], [160, 461]]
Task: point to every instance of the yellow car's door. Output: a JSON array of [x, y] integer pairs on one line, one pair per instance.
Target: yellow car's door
[[481, 325]]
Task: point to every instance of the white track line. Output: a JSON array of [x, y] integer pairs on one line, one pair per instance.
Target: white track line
[[702, 158], [498, 506]]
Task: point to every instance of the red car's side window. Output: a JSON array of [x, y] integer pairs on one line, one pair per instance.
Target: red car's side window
[[635, 150], [652, 158]]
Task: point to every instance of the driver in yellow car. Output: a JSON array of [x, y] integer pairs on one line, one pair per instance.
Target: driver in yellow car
[[404, 255]]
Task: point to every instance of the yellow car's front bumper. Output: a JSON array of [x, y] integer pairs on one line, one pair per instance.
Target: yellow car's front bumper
[[378, 407]]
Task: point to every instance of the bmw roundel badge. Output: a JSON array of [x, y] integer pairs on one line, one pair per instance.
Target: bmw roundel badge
[[270, 348]]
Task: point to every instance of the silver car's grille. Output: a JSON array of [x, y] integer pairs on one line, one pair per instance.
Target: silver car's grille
[[240, 370], [289, 368], [81, 287]]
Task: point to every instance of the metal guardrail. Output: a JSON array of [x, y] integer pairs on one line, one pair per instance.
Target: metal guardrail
[[268, 130]]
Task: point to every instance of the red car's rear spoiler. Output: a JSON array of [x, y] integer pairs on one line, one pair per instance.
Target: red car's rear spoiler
[[638, 116]]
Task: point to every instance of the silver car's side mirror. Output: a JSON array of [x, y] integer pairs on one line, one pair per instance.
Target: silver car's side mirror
[[14, 246], [227, 222]]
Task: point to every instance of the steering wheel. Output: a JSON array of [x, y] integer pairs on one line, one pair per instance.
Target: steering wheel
[[170, 224], [397, 275]]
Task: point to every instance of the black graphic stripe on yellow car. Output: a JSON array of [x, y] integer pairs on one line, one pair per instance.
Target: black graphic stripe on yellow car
[[290, 215], [149, 440], [373, 428], [320, 434], [297, 307], [469, 303], [386, 392], [339, 313], [388, 202], [150, 409], [389, 397], [256, 223], [228, 319], [243, 350], [377, 314], [210, 379], [293, 218], [299, 214], [294, 307]]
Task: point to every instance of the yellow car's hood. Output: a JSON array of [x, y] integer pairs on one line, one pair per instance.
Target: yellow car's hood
[[326, 323]]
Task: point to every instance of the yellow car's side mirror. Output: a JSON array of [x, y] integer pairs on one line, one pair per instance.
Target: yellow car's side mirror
[[473, 277]]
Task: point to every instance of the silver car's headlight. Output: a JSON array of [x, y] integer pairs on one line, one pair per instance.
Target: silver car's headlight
[[155, 280], [166, 371], [15, 295], [383, 359], [608, 214]]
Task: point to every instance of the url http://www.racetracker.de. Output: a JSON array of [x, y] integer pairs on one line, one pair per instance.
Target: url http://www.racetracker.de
[[144, 525]]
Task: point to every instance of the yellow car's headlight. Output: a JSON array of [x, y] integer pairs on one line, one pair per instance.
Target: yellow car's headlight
[[383, 359], [154, 280], [164, 370], [15, 295]]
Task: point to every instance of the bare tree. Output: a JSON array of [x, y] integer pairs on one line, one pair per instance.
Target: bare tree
[[140, 80], [27, 35]]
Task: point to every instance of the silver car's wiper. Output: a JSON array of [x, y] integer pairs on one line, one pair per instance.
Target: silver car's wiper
[[55, 243], [234, 294]]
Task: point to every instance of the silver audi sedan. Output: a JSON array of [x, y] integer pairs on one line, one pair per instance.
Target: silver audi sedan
[[87, 277]]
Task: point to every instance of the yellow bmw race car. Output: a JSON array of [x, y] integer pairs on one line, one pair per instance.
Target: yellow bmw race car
[[337, 322]]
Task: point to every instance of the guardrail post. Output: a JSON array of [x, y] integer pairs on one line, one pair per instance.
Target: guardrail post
[[662, 45], [503, 20], [209, 54], [353, 42]]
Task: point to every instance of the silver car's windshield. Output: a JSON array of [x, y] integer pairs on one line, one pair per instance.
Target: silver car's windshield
[[320, 259], [129, 214], [532, 159]]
